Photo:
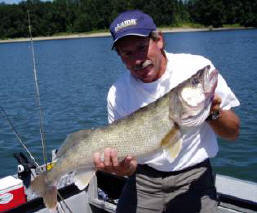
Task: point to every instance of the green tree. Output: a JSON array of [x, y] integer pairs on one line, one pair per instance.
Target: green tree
[[207, 12], [13, 23], [249, 17], [57, 16]]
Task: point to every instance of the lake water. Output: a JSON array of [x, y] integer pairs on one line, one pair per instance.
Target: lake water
[[74, 77]]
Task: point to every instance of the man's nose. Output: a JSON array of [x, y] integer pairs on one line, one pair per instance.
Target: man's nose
[[138, 58]]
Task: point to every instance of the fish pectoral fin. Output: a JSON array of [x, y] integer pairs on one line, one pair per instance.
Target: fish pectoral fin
[[172, 151], [82, 178], [172, 143]]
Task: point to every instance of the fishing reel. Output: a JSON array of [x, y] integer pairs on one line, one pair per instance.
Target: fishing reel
[[24, 168]]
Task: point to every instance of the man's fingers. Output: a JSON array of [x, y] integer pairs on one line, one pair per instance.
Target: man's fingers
[[107, 157], [130, 165], [108, 162], [97, 160], [216, 103], [114, 158], [127, 161], [216, 100]]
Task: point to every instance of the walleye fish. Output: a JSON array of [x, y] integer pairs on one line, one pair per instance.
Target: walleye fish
[[153, 128]]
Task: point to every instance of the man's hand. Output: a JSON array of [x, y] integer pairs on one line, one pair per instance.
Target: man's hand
[[227, 125], [215, 104], [109, 163]]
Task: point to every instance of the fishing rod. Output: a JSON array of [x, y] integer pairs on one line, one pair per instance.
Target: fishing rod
[[42, 134], [5, 116], [37, 94]]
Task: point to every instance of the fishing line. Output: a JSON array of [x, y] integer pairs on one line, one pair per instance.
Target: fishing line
[[66, 205], [60, 208], [5, 116], [44, 147], [42, 134]]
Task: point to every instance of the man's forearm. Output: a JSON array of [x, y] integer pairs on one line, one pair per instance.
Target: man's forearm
[[227, 125]]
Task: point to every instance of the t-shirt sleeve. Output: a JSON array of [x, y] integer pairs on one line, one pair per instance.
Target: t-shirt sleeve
[[229, 99], [112, 111]]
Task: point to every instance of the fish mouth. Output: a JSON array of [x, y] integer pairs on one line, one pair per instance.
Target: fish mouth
[[211, 82], [213, 75]]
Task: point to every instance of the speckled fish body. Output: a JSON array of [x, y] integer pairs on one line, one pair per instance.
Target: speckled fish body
[[152, 128]]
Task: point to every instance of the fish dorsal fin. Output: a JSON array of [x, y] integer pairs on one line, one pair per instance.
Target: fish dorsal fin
[[82, 178], [171, 143]]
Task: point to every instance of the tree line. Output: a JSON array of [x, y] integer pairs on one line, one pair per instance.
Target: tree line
[[48, 18]]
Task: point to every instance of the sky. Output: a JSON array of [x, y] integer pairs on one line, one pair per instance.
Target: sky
[[10, 1], [13, 1]]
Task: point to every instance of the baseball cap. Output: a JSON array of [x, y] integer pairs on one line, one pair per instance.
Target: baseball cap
[[131, 22]]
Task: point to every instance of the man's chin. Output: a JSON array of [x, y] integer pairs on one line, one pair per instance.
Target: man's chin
[[147, 79]]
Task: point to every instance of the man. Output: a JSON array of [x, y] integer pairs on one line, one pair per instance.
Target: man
[[155, 185]]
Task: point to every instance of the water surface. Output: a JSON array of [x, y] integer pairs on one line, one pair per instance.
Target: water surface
[[74, 76]]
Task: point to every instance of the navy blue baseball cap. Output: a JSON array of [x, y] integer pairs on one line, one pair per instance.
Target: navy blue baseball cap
[[131, 22]]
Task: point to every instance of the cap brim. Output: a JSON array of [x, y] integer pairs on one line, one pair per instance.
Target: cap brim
[[143, 33]]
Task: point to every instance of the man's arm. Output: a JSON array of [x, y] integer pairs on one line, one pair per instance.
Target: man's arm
[[227, 125]]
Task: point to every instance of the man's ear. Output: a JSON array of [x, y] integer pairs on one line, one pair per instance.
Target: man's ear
[[160, 41]]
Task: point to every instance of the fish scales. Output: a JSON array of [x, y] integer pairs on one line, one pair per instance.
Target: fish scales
[[157, 126], [152, 125], [138, 134]]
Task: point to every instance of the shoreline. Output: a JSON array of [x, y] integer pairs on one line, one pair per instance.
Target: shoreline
[[107, 34]]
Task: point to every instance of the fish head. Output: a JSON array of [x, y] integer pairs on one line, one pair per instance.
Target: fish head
[[209, 82], [190, 102]]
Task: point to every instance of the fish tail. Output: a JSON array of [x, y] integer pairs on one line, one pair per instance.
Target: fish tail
[[43, 188]]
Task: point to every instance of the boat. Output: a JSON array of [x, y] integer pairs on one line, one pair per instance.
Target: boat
[[102, 194]]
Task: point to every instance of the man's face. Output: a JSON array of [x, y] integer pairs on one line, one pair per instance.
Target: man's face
[[143, 57]]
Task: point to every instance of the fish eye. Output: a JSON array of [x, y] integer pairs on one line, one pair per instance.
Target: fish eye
[[195, 81]]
